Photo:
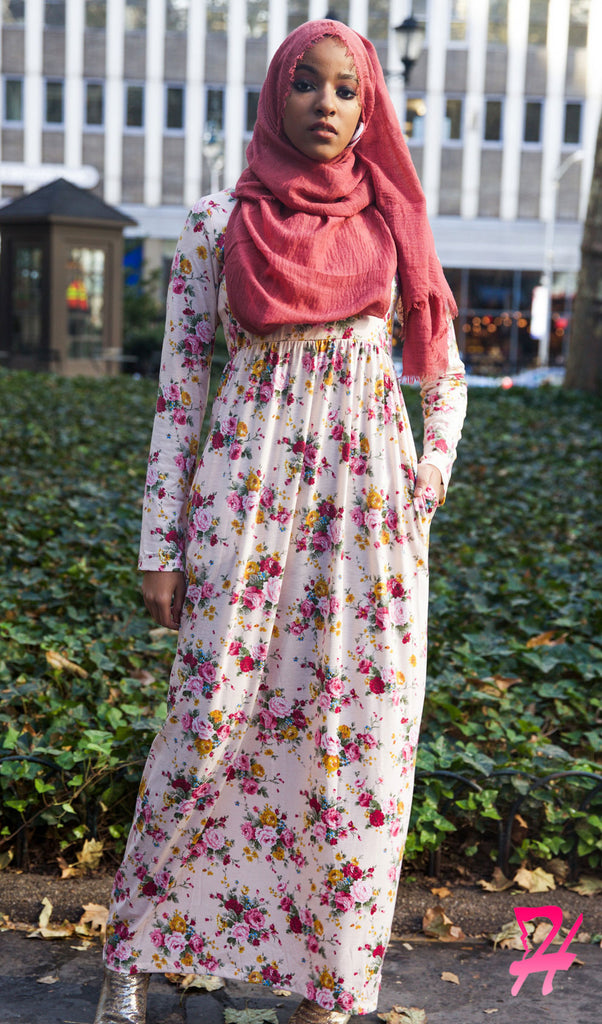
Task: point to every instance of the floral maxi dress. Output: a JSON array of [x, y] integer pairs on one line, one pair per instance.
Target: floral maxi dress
[[273, 809]]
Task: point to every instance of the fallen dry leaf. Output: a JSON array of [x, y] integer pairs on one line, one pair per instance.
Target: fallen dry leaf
[[247, 1016], [495, 686], [549, 639], [542, 930], [587, 886], [450, 976], [48, 979], [46, 930], [438, 925], [93, 919], [442, 891], [493, 1010], [535, 881], [498, 883], [144, 677], [90, 855], [404, 1015], [158, 632], [559, 868], [88, 859], [509, 936], [282, 993], [5, 858], [56, 660]]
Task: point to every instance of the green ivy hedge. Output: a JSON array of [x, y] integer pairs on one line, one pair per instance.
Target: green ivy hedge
[[515, 634]]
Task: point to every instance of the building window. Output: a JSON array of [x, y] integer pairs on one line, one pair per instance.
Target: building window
[[135, 15], [457, 23], [578, 22], [572, 124], [174, 108], [94, 104], [53, 109], [538, 22], [378, 19], [54, 13], [214, 112], [13, 12], [176, 15], [258, 16], [298, 12], [533, 118], [415, 116], [452, 124], [492, 130], [251, 109], [217, 15], [134, 106], [96, 13], [497, 26], [13, 101]]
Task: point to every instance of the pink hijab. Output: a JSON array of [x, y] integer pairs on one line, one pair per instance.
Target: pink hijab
[[311, 242]]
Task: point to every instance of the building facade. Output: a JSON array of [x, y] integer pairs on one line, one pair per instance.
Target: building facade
[[152, 103]]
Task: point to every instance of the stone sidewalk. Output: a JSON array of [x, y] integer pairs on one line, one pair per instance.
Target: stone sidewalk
[[52, 982]]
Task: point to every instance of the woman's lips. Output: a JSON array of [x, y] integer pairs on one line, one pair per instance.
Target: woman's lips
[[323, 129]]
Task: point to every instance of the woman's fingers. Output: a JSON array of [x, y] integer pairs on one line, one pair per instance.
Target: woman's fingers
[[163, 594], [428, 488]]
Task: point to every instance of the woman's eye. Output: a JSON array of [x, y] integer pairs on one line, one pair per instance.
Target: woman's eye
[[347, 94], [302, 85]]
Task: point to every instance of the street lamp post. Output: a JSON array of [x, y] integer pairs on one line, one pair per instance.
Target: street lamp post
[[213, 151], [547, 277], [409, 37]]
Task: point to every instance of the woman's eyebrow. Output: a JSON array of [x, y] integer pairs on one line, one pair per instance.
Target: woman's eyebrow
[[344, 76]]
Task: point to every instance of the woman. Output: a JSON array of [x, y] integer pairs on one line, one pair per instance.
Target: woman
[[292, 555]]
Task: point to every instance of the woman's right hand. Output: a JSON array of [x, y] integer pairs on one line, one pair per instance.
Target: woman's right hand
[[163, 594]]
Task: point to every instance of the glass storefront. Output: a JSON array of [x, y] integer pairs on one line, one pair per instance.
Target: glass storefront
[[493, 325]]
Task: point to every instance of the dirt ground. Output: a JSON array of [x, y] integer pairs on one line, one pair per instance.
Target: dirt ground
[[468, 906]]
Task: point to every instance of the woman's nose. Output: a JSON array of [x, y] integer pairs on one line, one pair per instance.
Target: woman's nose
[[325, 101]]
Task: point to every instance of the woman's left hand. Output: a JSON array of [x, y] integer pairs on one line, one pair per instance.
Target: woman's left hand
[[428, 489]]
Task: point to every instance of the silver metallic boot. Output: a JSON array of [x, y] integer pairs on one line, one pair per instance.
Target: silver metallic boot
[[309, 1012], [122, 999]]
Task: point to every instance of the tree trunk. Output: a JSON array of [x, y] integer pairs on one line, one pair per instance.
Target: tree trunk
[[584, 359]]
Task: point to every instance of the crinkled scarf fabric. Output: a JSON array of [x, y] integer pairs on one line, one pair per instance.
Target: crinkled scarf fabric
[[312, 242]]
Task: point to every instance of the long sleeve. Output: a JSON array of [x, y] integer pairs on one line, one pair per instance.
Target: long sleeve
[[191, 320], [444, 409]]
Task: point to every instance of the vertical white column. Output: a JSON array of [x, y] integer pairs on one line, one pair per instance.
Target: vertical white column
[[518, 30], [277, 25], [438, 29], [33, 88], [553, 122], [114, 100], [154, 102], [316, 9], [195, 105], [593, 104], [235, 112], [473, 113], [358, 16], [74, 83]]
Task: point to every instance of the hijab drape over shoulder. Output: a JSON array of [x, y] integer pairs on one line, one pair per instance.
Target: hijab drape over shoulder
[[311, 242]]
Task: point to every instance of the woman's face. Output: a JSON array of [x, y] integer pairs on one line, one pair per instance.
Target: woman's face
[[323, 109]]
